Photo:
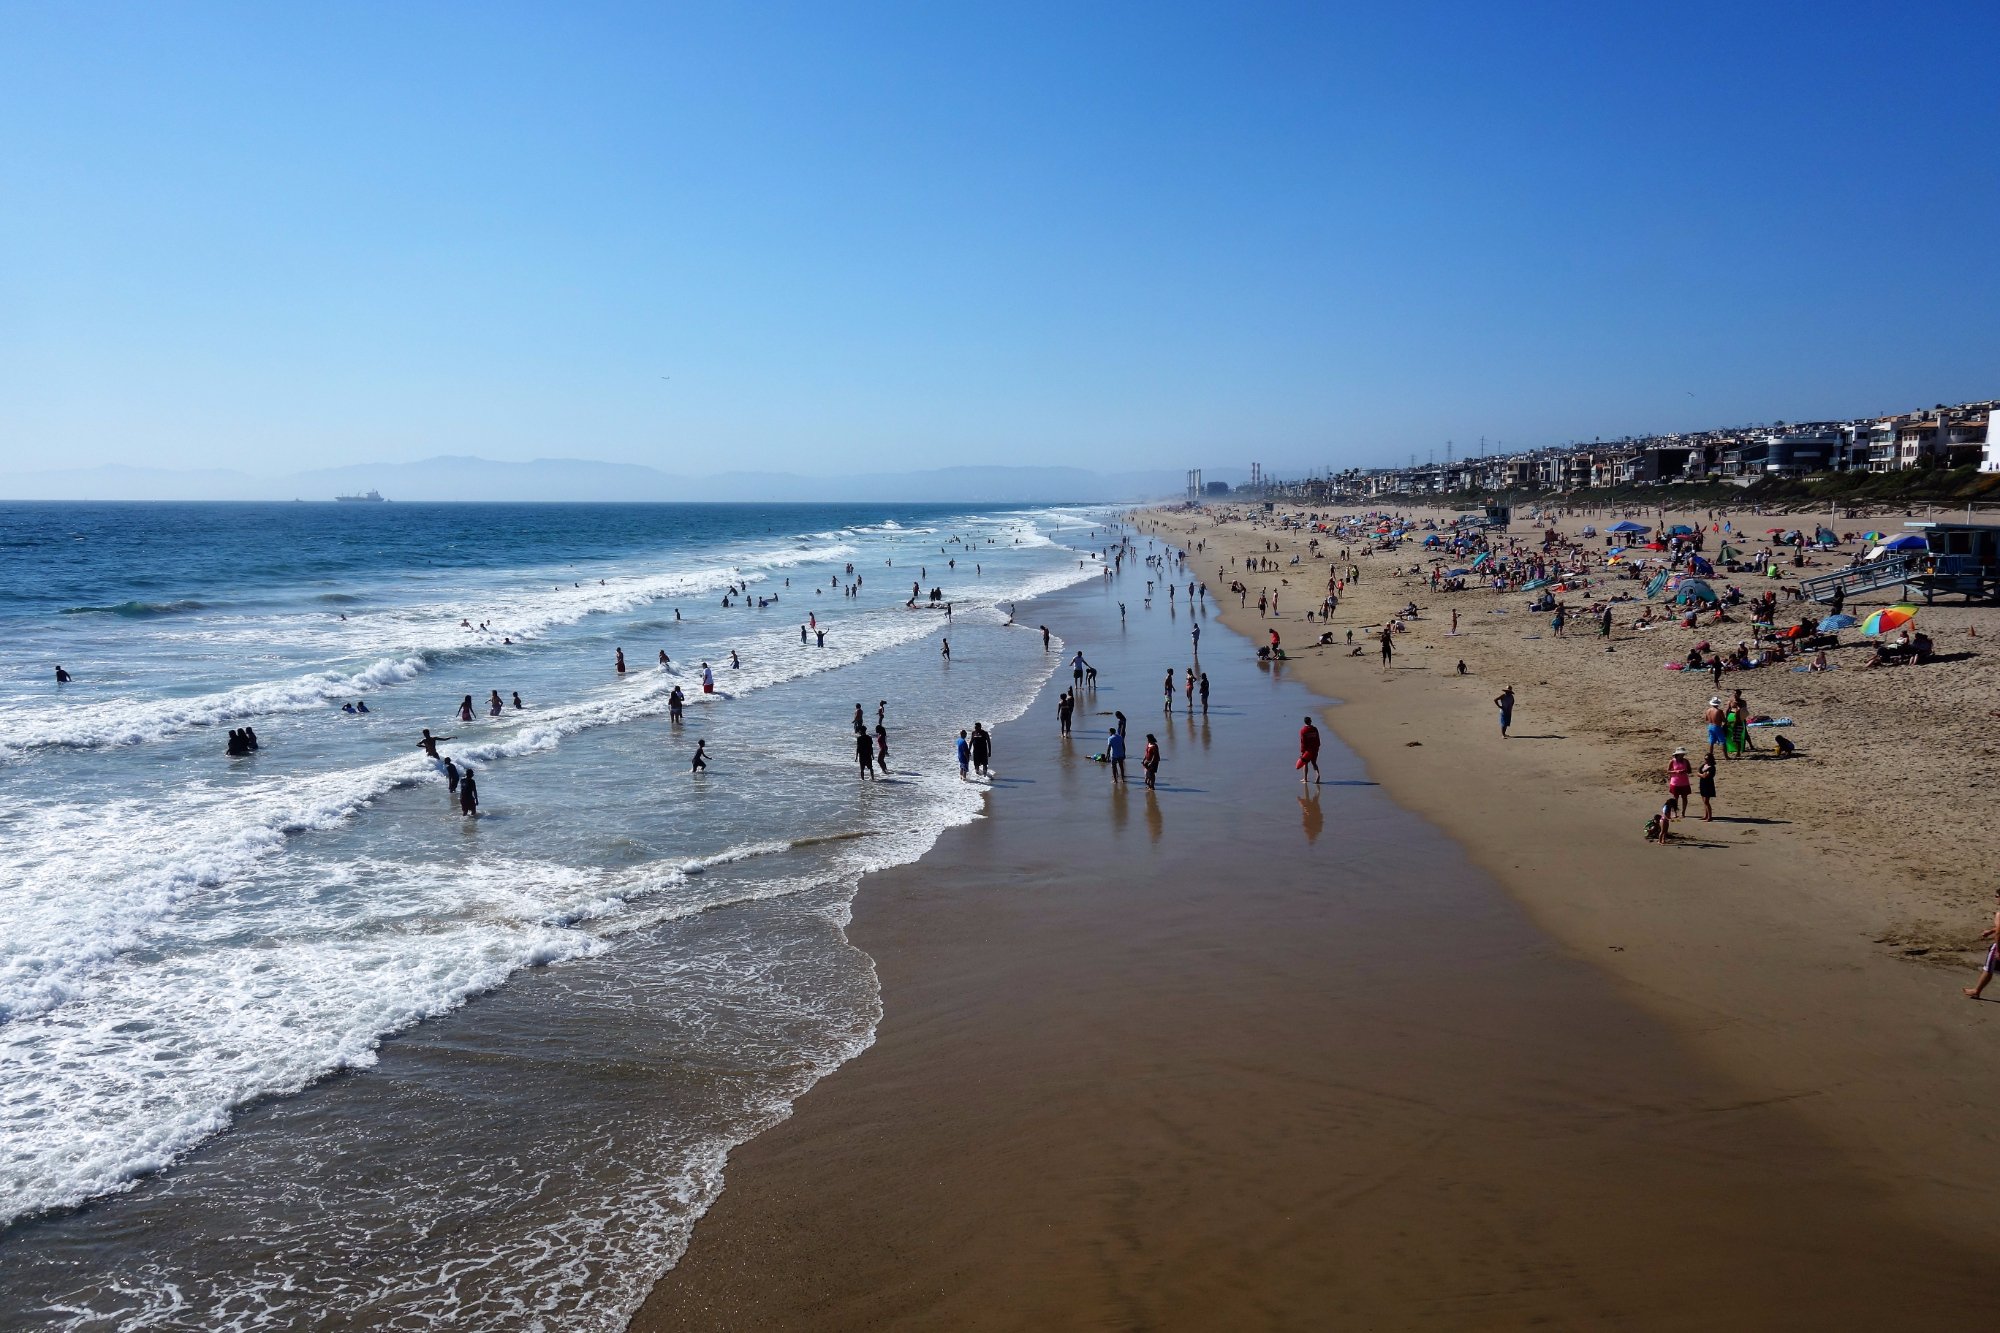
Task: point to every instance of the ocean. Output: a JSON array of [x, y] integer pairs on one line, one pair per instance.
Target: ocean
[[286, 1042]]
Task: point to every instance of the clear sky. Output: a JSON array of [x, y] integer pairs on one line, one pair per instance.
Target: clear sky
[[901, 235]]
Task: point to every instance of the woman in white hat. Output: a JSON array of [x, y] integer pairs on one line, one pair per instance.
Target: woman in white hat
[[1680, 780]]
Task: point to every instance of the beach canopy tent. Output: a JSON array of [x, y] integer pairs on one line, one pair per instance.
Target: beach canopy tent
[[1841, 621], [1694, 590], [1909, 541], [1628, 526], [1728, 553]]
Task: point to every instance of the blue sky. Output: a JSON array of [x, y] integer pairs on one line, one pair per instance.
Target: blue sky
[[886, 236]]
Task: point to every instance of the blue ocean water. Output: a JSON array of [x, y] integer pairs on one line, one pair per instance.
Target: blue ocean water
[[192, 944]]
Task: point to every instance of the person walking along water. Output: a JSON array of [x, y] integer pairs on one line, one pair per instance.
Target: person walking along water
[[1308, 764], [1992, 963]]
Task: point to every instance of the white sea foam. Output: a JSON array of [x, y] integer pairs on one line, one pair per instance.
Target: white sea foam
[[409, 640], [175, 960]]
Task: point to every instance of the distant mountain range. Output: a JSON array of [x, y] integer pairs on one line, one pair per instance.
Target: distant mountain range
[[467, 478]]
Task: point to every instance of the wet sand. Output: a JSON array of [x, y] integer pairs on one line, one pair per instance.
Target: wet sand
[[1772, 941], [1226, 1057]]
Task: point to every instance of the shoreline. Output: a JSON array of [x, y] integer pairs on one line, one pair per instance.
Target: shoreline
[[1186, 1061], [1776, 948]]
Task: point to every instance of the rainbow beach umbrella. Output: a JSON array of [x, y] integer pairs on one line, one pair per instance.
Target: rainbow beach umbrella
[[1889, 618]]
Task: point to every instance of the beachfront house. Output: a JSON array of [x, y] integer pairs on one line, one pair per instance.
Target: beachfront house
[[1965, 442], [1792, 453]]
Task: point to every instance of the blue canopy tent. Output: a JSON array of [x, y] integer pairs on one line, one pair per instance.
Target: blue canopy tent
[[1628, 526]]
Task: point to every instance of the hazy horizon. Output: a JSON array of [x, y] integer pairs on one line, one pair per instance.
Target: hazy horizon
[[820, 240]]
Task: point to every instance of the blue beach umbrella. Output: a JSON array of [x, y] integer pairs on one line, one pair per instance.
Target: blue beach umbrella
[[1832, 623]]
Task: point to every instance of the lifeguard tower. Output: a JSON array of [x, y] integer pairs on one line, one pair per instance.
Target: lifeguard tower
[[1958, 558]]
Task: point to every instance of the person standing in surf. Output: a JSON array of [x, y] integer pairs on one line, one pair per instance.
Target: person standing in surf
[[707, 679], [982, 749], [1308, 764], [964, 756], [1150, 760], [621, 662], [864, 753], [700, 763], [882, 747], [429, 743], [468, 794]]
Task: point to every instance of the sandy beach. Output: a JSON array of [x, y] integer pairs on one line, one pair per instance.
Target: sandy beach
[[1812, 939], [1230, 1055]]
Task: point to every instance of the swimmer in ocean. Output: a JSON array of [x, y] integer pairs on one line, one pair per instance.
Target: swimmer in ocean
[[700, 764]]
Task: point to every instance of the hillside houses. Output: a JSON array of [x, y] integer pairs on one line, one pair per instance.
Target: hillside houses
[[1939, 437]]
